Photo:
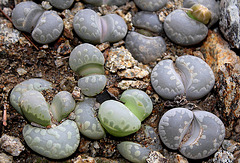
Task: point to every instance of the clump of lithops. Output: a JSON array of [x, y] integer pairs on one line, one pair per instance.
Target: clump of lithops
[[88, 61], [61, 4], [203, 8], [133, 152], [95, 29], [46, 26], [205, 132], [57, 142], [147, 20], [143, 48], [150, 5], [86, 119], [189, 76], [106, 2], [124, 119]]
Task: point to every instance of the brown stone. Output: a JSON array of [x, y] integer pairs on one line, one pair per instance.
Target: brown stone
[[226, 67]]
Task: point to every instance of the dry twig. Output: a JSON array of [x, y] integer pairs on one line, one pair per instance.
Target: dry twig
[[5, 115]]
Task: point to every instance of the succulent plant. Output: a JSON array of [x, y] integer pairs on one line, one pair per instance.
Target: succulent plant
[[150, 5], [145, 49], [122, 120], [61, 4], [31, 84], [86, 120], [48, 28], [183, 30], [190, 76], [212, 5], [106, 2], [88, 61], [138, 102], [133, 152], [56, 143], [92, 85], [30, 17], [147, 20], [35, 108], [117, 119], [62, 105], [25, 15], [200, 13], [206, 135], [95, 29]]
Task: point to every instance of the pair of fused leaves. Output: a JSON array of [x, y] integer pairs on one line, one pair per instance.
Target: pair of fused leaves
[[206, 132], [124, 119], [88, 61], [189, 76], [45, 26], [95, 29]]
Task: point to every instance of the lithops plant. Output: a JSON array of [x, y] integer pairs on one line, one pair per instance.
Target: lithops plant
[[143, 48], [88, 61], [106, 2], [95, 29], [62, 104], [211, 5], [206, 135], [138, 102], [35, 108], [150, 5], [93, 84], [117, 119], [147, 20], [121, 120], [183, 30], [46, 26], [189, 76], [30, 84], [25, 15], [61, 4], [200, 13], [57, 142], [87, 121], [133, 152]]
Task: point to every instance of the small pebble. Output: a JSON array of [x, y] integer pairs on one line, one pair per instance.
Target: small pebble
[[77, 94], [82, 159], [11, 145], [223, 156], [5, 158], [46, 5], [156, 157], [126, 84], [21, 71]]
